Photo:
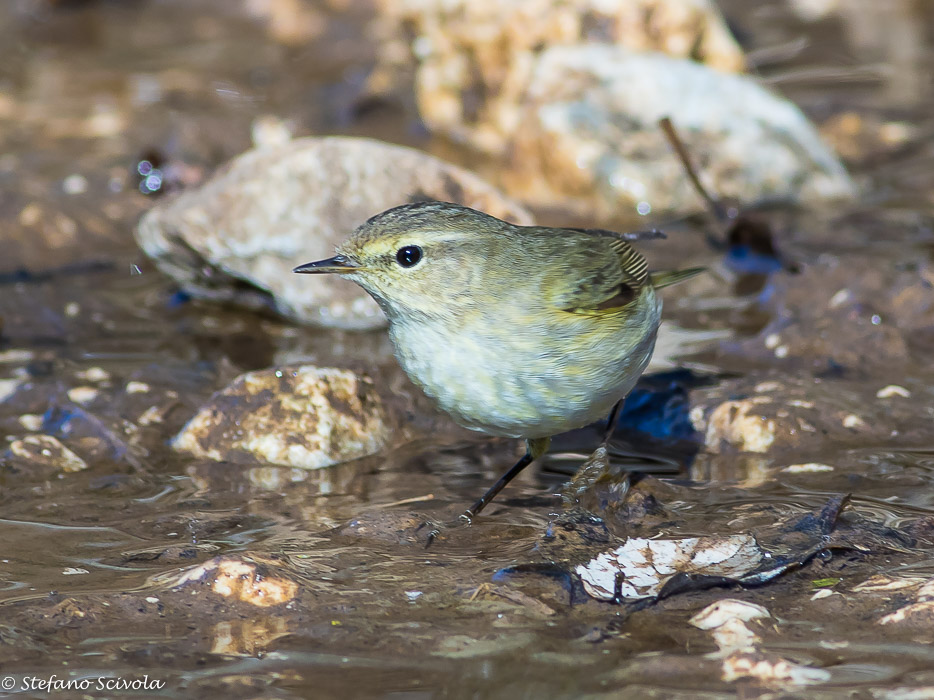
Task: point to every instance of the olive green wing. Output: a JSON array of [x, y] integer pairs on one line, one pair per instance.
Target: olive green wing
[[598, 273], [666, 278]]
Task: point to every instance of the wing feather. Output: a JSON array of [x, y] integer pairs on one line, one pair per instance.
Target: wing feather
[[602, 274]]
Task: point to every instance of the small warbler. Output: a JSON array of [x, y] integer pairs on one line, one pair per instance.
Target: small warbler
[[515, 331]]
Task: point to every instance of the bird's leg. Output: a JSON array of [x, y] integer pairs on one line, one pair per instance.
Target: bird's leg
[[533, 450], [611, 422]]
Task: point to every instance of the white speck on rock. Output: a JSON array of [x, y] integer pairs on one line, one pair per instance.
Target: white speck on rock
[[93, 374], [75, 184], [840, 298], [763, 387], [82, 394], [31, 421], [8, 387], [891, 390], [807, 468], [853, 421]]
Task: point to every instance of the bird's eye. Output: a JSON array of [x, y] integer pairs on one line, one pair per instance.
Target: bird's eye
[[409, 255]]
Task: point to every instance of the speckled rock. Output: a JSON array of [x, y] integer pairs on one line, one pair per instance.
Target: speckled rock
[[805, 415], [46, 451], [242, 580], [304, 416], [475, 58], [590, 139], [274, 208]]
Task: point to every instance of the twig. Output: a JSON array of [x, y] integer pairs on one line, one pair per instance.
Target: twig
[[415, 499], [678, 145]]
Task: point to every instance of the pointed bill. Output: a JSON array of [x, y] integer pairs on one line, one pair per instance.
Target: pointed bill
[[339, 264]]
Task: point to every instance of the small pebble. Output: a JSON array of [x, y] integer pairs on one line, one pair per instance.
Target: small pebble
[[31, 421], [30, 215], [151, 415], [763, 387], [808, 467], [269, 130], [75, 184], [82, 394], [891, 390], [16, 356], [853, 421], [94, 374], [839, 298], [8, 387]]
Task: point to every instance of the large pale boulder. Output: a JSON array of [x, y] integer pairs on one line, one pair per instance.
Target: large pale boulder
[[590, 139], [472, 60], [237, 237]]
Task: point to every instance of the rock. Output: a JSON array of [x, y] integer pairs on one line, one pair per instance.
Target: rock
[[739, 424], [849, 312], [803, 414], [863, 138], [475, 58], [241, 580], [590, 140], [289, 22], [8, 387], [920, 612], [301, 416], [274, 208], [47, 451]]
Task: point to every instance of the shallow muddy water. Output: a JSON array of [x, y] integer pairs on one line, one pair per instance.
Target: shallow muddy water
[[98, 565]]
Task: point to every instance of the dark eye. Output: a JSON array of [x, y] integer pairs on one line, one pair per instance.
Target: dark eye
[[409, 255]]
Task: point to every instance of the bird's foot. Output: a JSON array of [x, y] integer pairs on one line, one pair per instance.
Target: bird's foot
[[435, 530]]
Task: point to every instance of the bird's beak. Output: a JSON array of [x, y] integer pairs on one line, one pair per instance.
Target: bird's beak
[[339, 264]]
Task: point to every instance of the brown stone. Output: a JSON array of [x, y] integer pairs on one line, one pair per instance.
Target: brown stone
[[302, 416]]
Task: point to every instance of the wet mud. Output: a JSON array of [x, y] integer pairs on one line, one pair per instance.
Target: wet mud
[[796, 444]]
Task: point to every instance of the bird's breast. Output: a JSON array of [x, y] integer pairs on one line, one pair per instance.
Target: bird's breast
[[510, 376]]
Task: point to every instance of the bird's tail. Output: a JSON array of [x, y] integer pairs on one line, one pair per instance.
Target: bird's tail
[[666, 278]]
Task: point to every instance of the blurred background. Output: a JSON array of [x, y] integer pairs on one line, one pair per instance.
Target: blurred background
[[797, 371]]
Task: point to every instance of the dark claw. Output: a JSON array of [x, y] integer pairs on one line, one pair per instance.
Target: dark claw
[[463, 520]]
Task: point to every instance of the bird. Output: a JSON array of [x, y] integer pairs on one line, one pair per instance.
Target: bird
[[514, 331]]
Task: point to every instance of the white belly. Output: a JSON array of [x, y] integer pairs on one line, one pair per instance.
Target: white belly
[[518, 386]]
